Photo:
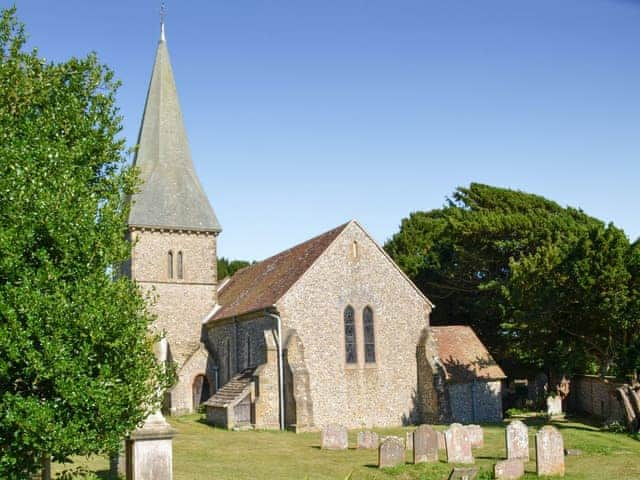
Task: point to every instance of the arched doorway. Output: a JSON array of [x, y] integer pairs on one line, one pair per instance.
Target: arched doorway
[[201, 391]]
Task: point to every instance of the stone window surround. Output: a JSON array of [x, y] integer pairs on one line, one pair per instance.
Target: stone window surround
[[359, 327], [180, 265], [364, 334], [350, 341]]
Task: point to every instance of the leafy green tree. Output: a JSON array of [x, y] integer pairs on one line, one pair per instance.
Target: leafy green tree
[[226, 267], [502, 260], [575, 295], [77, 370]]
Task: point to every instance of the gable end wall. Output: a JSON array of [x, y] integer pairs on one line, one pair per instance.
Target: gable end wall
[[380, 394]]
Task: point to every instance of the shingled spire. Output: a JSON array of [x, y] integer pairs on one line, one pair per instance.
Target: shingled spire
[[171, 195]]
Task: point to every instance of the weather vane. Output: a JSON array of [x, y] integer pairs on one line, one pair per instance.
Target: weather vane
[[163, 14]]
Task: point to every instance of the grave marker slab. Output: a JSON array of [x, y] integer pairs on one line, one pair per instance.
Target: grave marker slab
[[509, 469], [517, 440], [476, 435], [549, 452], [334, 437], [463, 473], [458, 444], [368, 440], [554, 405], [408, 440], [425, 444], [391, 452]]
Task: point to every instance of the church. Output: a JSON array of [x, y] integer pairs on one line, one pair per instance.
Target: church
[[328, 331]]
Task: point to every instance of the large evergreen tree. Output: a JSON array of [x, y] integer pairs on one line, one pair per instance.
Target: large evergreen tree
[[544, 286], [77, 370]]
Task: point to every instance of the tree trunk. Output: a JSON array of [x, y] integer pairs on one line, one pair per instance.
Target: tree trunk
[[46, 467]]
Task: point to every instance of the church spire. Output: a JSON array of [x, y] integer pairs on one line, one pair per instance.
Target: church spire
[[171, 195]]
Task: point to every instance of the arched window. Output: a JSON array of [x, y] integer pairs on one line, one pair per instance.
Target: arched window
[[369, 336], [180, 273], [170, 264], [228, 360], [350, 335], [248, 351]]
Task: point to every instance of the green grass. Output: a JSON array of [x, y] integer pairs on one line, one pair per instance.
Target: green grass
[[202, 452]]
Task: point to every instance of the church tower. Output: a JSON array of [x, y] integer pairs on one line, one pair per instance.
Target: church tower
[[173, 232]]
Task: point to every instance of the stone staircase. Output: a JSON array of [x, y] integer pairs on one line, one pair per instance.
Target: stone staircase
[[234, 390]]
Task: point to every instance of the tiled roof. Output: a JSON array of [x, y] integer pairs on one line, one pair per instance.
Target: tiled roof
[[263, 284], [464, 356]]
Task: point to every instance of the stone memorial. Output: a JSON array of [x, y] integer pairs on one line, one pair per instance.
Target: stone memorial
[[391, 452], [549, 452], [441, 442], [368, 440], [509, 469], [425, 444], [554, 405], [517, 440], [408, 440], [334, 437], [458, 445], [476, 435], [463, 473]]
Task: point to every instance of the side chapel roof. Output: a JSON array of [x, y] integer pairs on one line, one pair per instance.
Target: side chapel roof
[[464, 356], [261, 285], [171, 195]]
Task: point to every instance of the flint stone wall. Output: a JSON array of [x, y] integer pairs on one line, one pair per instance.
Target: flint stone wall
[[381, 393], [180, 304], [476, 402], [596, 396]]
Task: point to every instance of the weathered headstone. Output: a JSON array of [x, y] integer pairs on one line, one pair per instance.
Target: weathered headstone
[[425, 444], [554, 405], [458, 445], [517, 440], [368, 439], [334, 437], [391, 452], [441, 443], [549, 451], [408, 440], [463, 473], [509, 469], [476, 435]]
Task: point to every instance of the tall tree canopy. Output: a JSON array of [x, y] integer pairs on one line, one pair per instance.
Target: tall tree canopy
[[544, 286], [226, 267], [77, 370]]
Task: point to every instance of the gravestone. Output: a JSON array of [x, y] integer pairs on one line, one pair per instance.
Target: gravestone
[[517, 440], [334, 437], [458, 444], [463, 473], [368, 440], [549, 452], [509, 469], [425, 444], [391, 452], [441, 443], [476, 435], [408, 440], [554, 405]]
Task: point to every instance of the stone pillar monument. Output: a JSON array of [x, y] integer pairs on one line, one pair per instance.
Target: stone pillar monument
[[149, 449]]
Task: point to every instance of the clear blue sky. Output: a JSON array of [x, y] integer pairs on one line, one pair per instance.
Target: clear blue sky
[[304, 114]]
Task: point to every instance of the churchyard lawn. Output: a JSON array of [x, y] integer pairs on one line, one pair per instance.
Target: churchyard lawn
[[203, 453]]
